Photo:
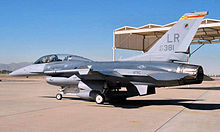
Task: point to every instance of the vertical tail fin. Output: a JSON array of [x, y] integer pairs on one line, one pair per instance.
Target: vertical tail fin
[[175, 42]]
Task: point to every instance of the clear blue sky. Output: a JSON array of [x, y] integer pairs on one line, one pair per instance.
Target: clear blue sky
[[32, 28]]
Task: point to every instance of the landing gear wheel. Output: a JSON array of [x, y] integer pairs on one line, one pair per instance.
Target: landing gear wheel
[[99, 99], [59, 96]]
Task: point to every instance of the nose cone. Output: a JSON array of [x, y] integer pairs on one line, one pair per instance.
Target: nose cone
[[19, 72], [30, 70]]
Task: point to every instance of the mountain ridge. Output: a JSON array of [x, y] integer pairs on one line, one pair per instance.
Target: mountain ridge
[[13, 66]]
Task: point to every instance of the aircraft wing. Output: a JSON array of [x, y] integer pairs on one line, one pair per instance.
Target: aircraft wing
[[111, 73], [157, 75], [122, 73]]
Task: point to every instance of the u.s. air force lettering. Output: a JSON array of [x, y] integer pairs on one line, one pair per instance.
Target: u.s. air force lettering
[[169, 47], [173, 38]]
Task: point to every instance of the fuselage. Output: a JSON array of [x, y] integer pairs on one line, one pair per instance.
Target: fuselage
[[141, 72], [136, 71]]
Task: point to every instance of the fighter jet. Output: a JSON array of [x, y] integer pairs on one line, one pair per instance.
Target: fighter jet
[[163, 65]]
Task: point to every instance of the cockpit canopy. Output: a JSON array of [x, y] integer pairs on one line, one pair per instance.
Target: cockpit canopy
[[59, 57]]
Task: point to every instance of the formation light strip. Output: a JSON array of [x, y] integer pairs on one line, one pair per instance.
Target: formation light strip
[[192, 16]]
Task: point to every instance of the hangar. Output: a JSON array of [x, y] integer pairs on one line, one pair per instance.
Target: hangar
[[143, 38]]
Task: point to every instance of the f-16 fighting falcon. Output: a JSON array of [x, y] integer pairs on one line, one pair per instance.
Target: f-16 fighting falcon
[[161, 66]]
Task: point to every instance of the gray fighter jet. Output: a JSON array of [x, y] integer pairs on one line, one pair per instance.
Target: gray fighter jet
[[161, 66]]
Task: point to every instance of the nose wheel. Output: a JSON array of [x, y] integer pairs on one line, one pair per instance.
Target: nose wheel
[[59, 96]]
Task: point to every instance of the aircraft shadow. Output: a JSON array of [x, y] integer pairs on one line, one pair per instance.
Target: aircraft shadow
[[199, 88], [131, 104]]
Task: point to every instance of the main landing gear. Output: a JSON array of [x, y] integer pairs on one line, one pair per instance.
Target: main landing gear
[[59, 96], [100, 99]]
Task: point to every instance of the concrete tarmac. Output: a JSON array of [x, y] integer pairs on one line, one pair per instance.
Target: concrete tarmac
[[31, 106]]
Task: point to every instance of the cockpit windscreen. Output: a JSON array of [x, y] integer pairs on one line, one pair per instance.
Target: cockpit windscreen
[[59, 57]]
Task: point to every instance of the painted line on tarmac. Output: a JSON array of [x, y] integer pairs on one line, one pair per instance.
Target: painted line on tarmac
[[179, 112], [170, 119], [135, 121]]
